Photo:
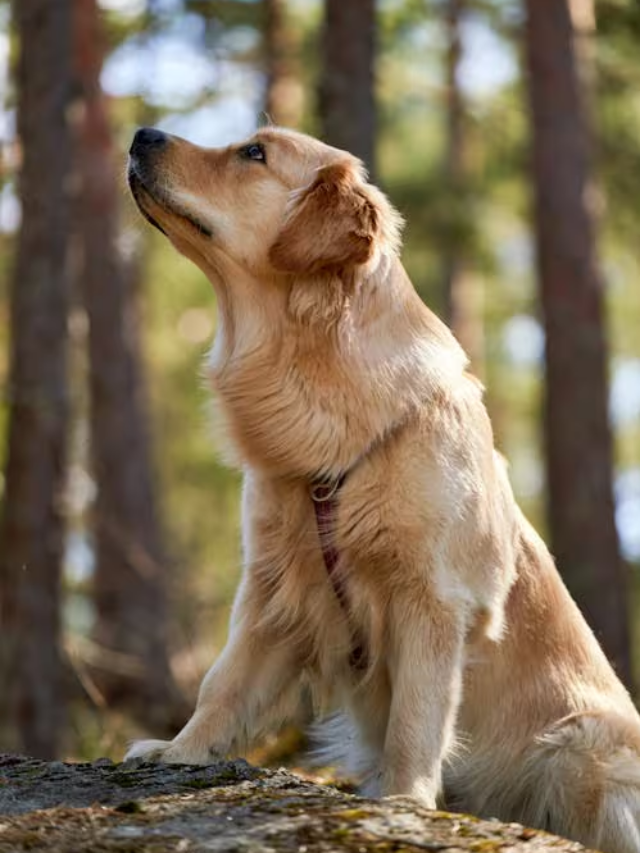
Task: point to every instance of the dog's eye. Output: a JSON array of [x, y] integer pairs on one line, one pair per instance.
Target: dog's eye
[[255, 151]]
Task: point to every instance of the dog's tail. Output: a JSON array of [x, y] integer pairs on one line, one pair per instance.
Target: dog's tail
[[582, 780]]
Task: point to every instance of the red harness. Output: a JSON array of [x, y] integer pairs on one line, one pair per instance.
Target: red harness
[[325, 495]]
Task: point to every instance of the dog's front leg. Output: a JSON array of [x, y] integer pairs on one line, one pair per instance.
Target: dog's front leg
[[239, 690], [425, 665]]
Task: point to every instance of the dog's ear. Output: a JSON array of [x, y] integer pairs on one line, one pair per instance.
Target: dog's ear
[[331, 224]]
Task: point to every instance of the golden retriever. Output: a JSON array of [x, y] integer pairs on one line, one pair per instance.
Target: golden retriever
[[480, 685]]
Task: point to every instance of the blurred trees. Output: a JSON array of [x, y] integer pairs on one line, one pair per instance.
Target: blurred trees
[[454, 155], [31, 528], [283, 96], [578, 439], [347, 101], [131, 663], [462, 310], [437, 90]]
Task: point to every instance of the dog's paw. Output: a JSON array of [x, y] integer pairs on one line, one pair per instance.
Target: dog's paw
[[426, 802], [149, 750], [173, 752], [419, 790]]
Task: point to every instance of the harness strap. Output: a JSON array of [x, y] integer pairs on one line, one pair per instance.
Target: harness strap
[[324, 495]]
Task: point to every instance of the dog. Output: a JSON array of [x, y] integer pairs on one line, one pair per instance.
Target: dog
[[387, 565]]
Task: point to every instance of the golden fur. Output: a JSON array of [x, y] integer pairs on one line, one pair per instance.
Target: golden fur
[[485, 688]]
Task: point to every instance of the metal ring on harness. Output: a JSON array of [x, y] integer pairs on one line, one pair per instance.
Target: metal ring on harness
[[322, 492]]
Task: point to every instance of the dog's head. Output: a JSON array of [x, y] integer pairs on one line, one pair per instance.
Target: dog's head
[[314, 307], [279, 203]]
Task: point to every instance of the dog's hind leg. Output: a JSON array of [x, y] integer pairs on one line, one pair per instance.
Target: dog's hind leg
[[582, 780]]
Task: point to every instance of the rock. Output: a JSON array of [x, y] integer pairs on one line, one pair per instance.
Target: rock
[[229, 806]]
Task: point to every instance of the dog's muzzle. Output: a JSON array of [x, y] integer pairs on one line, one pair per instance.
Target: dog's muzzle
[[146, 144], [143, 173]]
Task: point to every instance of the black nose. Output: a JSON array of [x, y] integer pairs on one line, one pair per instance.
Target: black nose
[[146, 138]]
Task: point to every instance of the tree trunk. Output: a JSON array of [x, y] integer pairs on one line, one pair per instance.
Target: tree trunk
[[462, 292], [453, 161], [577, 432], [130, 583], [283, 93], [347, 97], [32, 525]]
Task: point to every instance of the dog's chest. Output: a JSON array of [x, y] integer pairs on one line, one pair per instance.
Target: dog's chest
[[378, 537], [361, 556], [342, 556], [373, 537]]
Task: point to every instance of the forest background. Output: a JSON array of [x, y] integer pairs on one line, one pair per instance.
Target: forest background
[[508, 135]]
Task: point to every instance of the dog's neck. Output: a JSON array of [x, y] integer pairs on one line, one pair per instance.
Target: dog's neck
[[304, 396]]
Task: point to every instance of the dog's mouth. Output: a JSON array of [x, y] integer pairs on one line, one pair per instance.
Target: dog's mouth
[[139, 193], [144, 190]]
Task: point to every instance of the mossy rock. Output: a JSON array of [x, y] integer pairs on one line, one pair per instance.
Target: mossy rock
[[229, 806]]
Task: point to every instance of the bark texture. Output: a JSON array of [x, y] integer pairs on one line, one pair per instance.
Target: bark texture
[[229, 806], [577, 431], [131, 573], [32, 526], [347, 94]]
